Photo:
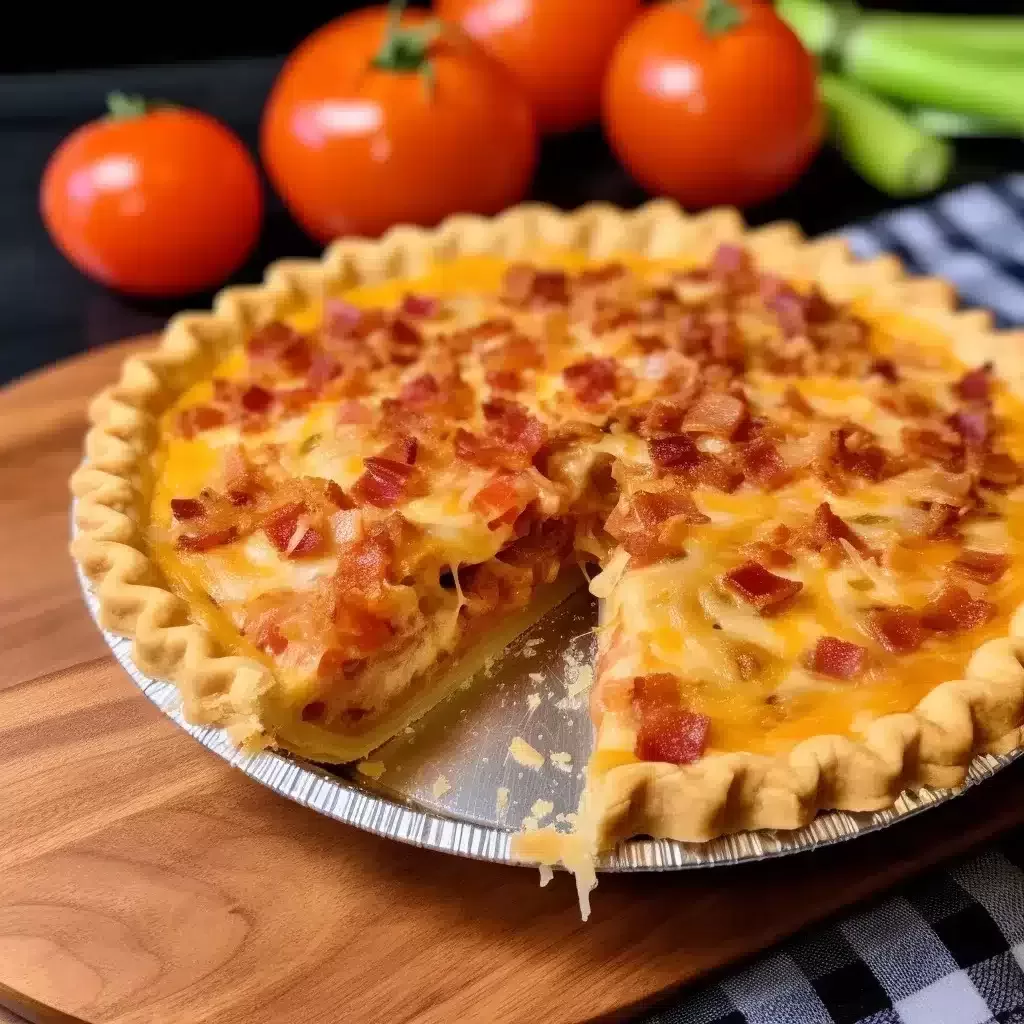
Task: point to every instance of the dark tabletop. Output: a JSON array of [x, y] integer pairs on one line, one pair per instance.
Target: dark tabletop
[[48, 311]]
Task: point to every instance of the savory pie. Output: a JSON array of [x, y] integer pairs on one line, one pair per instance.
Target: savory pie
[[792, 479]]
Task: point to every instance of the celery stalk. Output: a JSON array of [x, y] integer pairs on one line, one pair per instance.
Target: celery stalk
[[992, 36], [881, 144], [960, 81], [949, 125]]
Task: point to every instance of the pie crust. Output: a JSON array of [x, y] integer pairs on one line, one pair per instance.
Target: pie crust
[[721, 792]]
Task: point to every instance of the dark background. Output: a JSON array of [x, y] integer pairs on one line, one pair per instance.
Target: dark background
[[58, 64]]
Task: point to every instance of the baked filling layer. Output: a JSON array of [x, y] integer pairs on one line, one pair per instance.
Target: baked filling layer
[[804, 516]]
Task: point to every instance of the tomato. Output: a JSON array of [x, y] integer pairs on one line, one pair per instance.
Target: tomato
[[153, 201], [375, 122], [558, 49], [712, 101]]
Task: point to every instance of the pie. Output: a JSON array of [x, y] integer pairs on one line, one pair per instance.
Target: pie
[[792, 479]]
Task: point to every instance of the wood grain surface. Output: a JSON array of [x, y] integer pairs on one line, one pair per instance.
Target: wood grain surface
[[142, 879]]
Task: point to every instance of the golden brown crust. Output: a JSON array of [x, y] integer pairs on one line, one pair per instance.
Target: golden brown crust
[[932, 744]]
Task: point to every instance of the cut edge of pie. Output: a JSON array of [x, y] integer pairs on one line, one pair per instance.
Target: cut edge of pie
[[722, 792]]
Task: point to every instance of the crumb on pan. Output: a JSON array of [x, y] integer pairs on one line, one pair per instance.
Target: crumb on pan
[[561, 760], [541, 809], [371, 769], [501, 805], [440, 787], [522, 753]]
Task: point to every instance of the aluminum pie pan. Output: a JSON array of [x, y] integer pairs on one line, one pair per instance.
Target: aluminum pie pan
[[439, 787]]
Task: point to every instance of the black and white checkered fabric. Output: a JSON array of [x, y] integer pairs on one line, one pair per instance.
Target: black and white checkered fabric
[[948, 948]]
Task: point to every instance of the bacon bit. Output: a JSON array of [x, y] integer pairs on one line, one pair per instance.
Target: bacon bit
[[793, 398], [592, 277], [497, 499], [197, 418], [945, 447], [672, 736], [278, 343], [858, 454], [897, 629], [206, 541], [715, 412], [478, 450], [256, 399], [524, 285], [404, 450], [975, 386], [657, 690], [364, 566], [999, 470], [542, 550], [288, 529], [592, 380], [323, 368], [828, 529], [980, 566], [420, 305], [504, 380], [420, 391], [837, 658], [664, 416], [187, 508], [406, 342], [768, 555], [937, 521], [517, 353], [353, 411], [383, 482], [295, 400], [973, 425], [763, 464], [886, 369], [341, 318], [677, 452], [512, 424], [655, 507], [732, 265], [767, 592], [954, 611]]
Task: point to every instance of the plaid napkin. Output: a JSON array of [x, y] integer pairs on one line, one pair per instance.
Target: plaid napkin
[[949, 947]]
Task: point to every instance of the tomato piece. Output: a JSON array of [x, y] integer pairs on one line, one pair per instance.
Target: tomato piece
[[366, 127], [157, 201], [712, 114]]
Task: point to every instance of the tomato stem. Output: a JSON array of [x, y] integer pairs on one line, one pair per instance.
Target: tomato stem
[[122, 107], [407, 50], [720, 16]]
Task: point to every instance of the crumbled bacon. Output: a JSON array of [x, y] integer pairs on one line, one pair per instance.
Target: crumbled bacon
[[197, 418], [256, 399], [656, 690], [362, 632], [767, 592], [793, 399], [495, 585], [187, 508], [353, 411], [980, 566], [208, 539], [342, 318], [935, 443], [323, 368], [592, 381], [426, 306], [999, 470], [516, 353], [384, 482], [886, 369], [277, 343], [937, 521], [402, 449], [503, 497], [955, 611], [672, 736], [664, 416], [827, 529], [763, 464], [975, 385], [365, 565], [858, 454], [732, 265], [288, 528], [768, 555], [405, 342], [715, 412], [897, 629], [524, 285], [543, 549], [504, 380], [677, 453], [513, 437], [420, 391], [838, 659]]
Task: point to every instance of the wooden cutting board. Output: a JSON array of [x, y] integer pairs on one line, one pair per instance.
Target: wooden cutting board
[[142, 879]]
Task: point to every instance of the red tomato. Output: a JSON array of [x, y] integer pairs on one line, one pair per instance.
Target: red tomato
[[154, 202], [558, 49], [372, 124], [719, 112]]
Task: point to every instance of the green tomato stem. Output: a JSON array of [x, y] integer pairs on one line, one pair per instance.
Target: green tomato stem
[[720, 16], [886, 148]]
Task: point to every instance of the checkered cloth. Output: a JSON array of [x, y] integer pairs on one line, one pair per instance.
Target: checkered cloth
[[949, 947]]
